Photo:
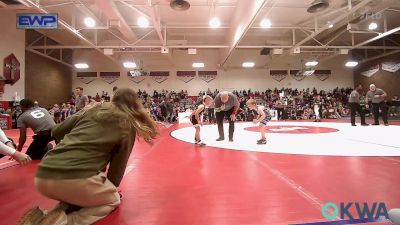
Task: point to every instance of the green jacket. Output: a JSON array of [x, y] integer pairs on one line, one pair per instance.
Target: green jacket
[[86, 147]]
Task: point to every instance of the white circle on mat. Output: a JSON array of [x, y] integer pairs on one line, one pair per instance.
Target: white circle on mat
[[304, 138]]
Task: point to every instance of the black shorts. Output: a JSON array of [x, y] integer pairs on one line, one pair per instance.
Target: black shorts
[[265, 121], [194, 120]]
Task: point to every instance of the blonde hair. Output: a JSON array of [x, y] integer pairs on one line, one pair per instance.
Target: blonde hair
[[251, 102], [205, 97], [128, 112]]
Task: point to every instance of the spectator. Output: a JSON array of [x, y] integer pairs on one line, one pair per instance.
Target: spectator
[[80, 100]]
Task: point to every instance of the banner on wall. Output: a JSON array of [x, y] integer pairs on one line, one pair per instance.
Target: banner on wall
[[371, 71], [278, 75], [186, 76], [109, 77], [297, 74], [137, 76], [322, 74], [391, 66], [159, 76], [208, 76], [11, 69], [86, 77]]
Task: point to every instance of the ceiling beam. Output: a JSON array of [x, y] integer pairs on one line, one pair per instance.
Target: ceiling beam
[[111, 11], [155, 20], [211, 47], [343, 16], [67, 27], [245, 13], [380, 56], [49, 57], [382, 35]]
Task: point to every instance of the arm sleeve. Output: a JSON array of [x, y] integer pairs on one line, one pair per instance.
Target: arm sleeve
[[236, 104], [61, 129], [3, 137], [119, 160], [20, 122], [6, 150], [217, 101]]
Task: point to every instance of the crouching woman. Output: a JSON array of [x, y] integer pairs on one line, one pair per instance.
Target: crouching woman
[[96, 137]]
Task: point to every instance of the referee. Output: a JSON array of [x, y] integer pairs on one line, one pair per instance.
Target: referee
[[226, 105], [354, 101]]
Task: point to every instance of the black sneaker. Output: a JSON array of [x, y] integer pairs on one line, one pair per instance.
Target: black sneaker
[[262, 142], [364, 124], [386, 124], [220, 139], [199, 143], [230, 139], [375, 124], [353, 125]]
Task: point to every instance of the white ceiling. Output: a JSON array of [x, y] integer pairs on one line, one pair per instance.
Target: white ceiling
[[189, 28]]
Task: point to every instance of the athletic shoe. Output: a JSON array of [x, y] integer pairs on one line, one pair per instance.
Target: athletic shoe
[[353, 125], [199, 143], [375, 124], [220, 139], [262, 142], [32, 217], [55, 217], [230, 139], [394, 216], [364, 124], [386, 124]]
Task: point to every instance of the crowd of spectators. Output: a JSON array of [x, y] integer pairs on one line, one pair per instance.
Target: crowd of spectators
[[290, 104]]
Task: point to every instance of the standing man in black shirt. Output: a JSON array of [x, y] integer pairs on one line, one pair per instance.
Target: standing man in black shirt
[[226, 105], [354, 102]]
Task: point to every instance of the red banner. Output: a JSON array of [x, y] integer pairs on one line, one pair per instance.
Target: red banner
[[186, 76], [11, 70], [109, 77], [278, 75], [159, 76], [208, 76], [86, 77], [322, 74]]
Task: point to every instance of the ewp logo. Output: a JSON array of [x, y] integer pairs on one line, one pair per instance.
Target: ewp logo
[[37, 21], [364, 211]]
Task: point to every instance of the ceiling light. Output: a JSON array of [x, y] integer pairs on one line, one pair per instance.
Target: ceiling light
[[89, 22], [248, 64], [372, 26], [143, 22], [81, 66], [129, 65], [265, 23], [214, 22], [198, 65], [311, 63], [351, 64]]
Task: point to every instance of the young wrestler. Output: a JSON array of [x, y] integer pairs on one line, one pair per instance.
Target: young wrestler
[[263, 118], [195, 118]]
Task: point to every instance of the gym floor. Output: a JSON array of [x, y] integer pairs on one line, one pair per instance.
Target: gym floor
[[175, 182]]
